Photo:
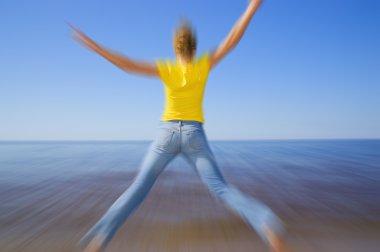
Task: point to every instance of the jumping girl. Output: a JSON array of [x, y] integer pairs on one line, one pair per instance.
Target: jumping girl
[[181, 132]]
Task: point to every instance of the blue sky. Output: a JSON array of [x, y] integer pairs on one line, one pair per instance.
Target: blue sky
[[303, 70]]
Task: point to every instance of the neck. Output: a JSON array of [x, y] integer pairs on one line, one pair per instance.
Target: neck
[[184, 60]]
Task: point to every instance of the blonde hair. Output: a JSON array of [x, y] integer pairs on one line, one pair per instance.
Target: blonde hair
[[185, 41]]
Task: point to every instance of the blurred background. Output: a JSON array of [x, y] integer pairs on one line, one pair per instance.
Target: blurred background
[[303, 70], [292, 115]]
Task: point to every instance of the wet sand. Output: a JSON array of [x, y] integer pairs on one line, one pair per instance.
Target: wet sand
[[52, 213]]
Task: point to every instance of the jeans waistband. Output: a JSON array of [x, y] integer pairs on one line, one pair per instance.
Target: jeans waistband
[[182, 122]]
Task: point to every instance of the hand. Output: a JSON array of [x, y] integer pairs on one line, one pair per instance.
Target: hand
[[84, 39], [255, 2], [254, 5]]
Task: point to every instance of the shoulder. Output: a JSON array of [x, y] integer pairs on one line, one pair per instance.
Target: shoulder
[[164, 63], [167, 69], [204, 61], [164, 66]]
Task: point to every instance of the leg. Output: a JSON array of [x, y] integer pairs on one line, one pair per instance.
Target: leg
[[257, 215], [103, 231]]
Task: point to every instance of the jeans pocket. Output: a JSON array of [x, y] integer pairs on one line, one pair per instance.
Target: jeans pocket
[[197, 140], [164, 138]]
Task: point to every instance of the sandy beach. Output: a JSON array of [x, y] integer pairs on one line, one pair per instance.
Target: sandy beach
[[52, 213]]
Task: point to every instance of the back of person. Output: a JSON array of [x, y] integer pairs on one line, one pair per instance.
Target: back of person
[[184, 88]]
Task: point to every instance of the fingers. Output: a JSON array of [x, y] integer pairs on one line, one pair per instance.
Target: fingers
[[82, 38], [255, 2], [79, 35], [74, 29]]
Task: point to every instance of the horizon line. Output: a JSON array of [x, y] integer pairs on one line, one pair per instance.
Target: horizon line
[[210, 140]]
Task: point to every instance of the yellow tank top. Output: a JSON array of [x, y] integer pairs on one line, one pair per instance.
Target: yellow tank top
[[184, 88]]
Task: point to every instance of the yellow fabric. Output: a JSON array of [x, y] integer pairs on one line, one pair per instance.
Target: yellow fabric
[[184, 88]]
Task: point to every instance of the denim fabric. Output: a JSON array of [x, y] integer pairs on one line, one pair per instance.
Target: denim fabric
[[189, 139]]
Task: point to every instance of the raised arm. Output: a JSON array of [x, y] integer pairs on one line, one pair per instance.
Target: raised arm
[[127, 64], [235, 34]]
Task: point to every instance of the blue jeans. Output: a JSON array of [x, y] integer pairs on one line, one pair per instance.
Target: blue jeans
[[187, 138]]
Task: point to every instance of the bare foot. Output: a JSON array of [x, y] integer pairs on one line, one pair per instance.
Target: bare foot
[[277, 243], [95, 245]]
